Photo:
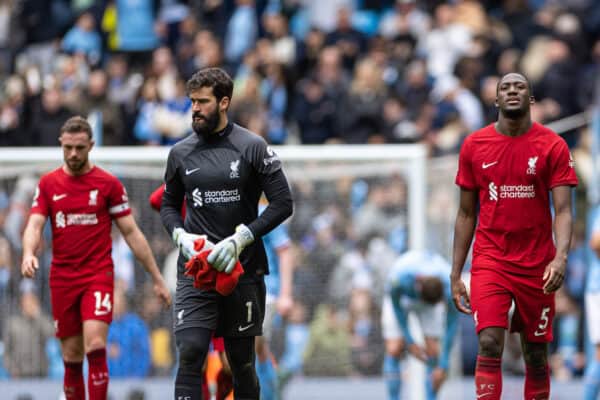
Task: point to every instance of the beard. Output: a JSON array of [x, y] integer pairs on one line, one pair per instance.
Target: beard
[[207, 125], [76, 165]]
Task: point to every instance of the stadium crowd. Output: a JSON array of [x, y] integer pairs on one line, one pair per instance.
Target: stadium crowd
[[306, 72]]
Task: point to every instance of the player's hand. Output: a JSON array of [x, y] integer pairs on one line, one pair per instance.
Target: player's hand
[[226, 253], [438, 376], [29, 266], [162, 291], [284, 305], [459, 292], [185, 242], [554, 275], [418, 352]]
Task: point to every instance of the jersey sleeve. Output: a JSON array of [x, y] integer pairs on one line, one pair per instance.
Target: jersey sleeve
[[562, 166], [40, 204], [464, 176], [263, 157], [156, 197], [118, 202], [172, 199]]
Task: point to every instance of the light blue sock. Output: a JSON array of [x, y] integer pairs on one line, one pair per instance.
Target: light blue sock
[[391, 375], [429, 393], [591, 387], [267, 378], [567, 343]]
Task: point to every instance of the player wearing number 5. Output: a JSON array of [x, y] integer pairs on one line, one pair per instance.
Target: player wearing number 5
[[221, 171], [506, 171], [81, 200]]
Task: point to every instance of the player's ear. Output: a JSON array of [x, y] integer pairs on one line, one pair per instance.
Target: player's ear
[[531, 99], [496, 102], [224, 103]]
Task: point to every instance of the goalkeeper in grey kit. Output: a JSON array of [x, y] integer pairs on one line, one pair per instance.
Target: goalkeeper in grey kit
[[221, 172]]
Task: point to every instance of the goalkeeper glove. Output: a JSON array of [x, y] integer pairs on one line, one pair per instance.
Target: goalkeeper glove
[[185, 242], [226, 253]]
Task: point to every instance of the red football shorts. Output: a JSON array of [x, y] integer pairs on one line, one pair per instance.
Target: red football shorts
[[73, 304], [492, 292]]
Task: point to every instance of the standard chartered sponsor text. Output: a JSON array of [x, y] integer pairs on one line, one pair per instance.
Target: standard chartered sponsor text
[[517, 191], [221, 196]]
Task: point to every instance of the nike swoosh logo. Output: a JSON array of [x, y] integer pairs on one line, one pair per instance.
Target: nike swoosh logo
[[191, 171], [483, 395], [244, 328], [100, 312], [484, 165], [536, 333], [57, 197], [99, 383]]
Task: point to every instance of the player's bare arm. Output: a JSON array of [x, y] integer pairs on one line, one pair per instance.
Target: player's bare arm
[[141, 249], [554, 274], [464, 229], [286, 274], [595, 242], [31, 241]]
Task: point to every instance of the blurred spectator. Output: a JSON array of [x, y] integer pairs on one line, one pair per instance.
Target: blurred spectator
[[274, 91], [128, 345], [25, 336], [83, 39], [315, 112], [366, 353], [328, 349], [130, 26], [105, 116], [405, 18], [241, 31], [445, 43], [360, 109], [13, 113], [48, 115], [148, 103], [348, 40]]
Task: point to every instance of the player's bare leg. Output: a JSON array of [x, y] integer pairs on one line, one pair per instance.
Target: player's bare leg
[[72, 353], [537, 372], [224, 378], [488, 372], [95, 334], [435, 376], [394, 349]]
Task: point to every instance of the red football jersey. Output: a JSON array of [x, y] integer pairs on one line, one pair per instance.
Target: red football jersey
[[513, 176], [81, 209]]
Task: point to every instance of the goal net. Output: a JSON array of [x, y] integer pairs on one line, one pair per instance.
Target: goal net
[[356, 209]]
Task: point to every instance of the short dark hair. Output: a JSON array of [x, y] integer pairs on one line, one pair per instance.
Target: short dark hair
[[215, 78], [432, 290], [75, 125], [516, 73]]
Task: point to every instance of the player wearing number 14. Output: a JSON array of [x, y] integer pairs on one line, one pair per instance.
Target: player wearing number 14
[[507, 170], [81, 200]]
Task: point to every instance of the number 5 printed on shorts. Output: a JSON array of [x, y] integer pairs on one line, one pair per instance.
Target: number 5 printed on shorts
[[541, 329], [103, 305]]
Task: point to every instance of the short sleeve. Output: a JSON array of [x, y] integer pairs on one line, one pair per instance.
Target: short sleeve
[[561, 166], [118, 202], [464, 176], [263, 158], [40, 203]]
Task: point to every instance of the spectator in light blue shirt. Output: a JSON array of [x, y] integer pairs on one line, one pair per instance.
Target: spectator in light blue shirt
[[241, 31], [84, 39]]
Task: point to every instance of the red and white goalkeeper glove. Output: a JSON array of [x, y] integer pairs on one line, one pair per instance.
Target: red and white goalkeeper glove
[[185, 242]]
